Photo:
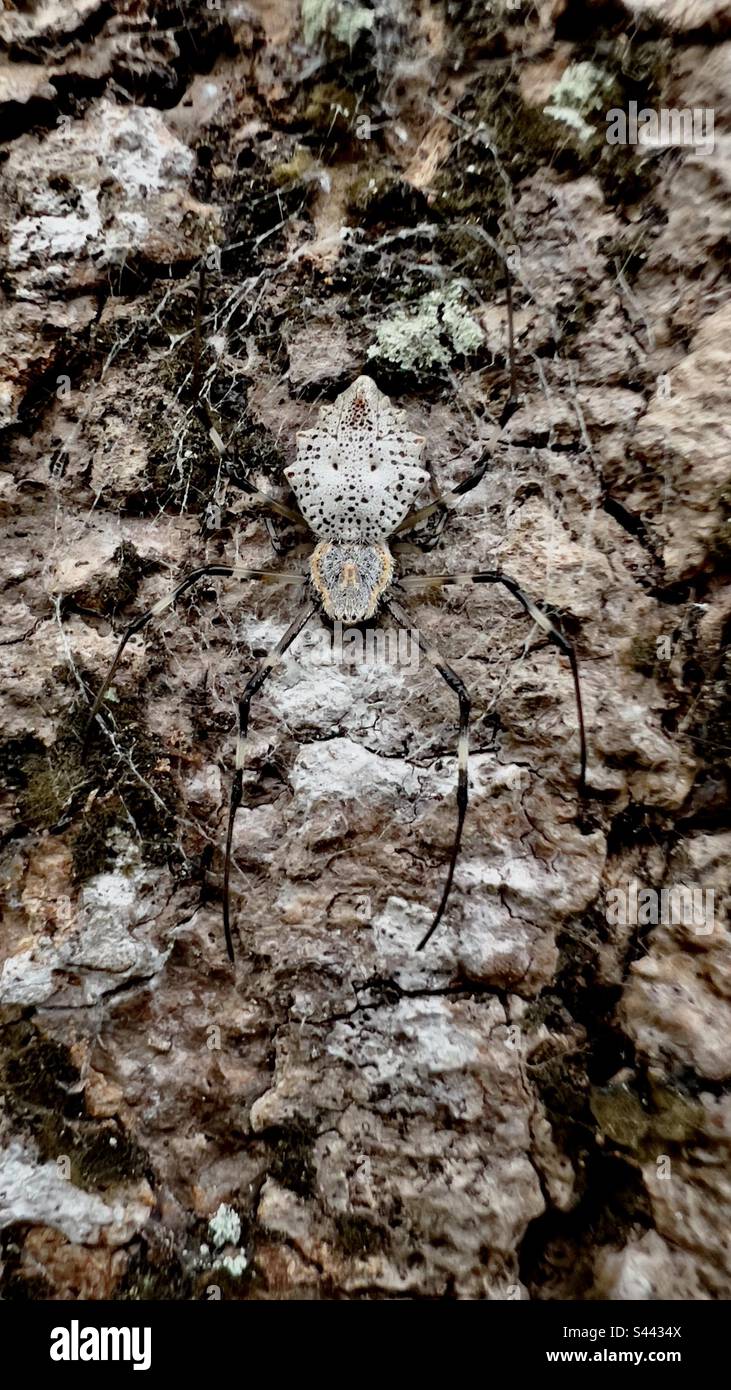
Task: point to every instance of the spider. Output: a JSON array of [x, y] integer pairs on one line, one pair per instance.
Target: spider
[[355, 478]]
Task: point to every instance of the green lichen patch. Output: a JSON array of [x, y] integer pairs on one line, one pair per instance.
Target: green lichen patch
[[582, 94], [430, 336], [342, 23]]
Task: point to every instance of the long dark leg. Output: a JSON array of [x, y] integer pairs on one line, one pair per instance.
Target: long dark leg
[[254, 684], [236, 571], [448, 501], [412, 583], [455, 684]]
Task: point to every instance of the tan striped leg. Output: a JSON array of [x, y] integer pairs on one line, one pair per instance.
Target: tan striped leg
[[231, 571], [455, 684], [253, 685], [412, 583], [255, 494], [448, 501]]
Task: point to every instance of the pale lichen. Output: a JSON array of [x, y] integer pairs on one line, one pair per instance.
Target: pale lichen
[[224, 1226], [340, 19], [235, 1265], [582, 90], [438, 329]]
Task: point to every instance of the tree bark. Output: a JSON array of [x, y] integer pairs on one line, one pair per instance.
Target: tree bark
[[535, 1106]]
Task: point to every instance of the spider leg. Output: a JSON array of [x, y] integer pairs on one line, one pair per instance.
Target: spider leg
[[261, 499], [253, 685], [231, 571], [449, 500], [413, 583], [455, 684], [274, 537], [255, 494]]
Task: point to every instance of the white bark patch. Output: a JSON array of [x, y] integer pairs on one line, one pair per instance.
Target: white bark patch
[[37, 1192]]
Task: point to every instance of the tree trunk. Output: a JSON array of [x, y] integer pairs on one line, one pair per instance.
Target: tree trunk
[[535, 1105]]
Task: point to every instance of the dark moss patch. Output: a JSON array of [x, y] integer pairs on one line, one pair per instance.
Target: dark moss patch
[[107, 593], [719, 545], [43, 1094], [255, 452], [257, 207], [379, 199], [291, 1162], [295, 170], [558, 1254], [329, 114], [505, 140], [478, 30], [710, 725], [91, 850], [647, 1120], [157, 1271], [18, 1285], [53, 786], [122, 794], [360, 1237], [510, 140], [181, 471], [16, 755], [642, 655], [35, 1070], [49, 781]]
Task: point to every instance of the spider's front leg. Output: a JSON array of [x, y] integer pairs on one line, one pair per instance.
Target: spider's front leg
[[447, 502], [455, 684], [231, 571], [255, 494], [412, 583], [254, 684]]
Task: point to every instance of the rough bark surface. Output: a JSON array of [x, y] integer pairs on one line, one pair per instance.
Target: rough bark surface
[[537, 1105]]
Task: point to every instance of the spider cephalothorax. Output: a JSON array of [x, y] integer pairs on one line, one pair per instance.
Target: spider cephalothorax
[[355, 476], [350, 580]]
